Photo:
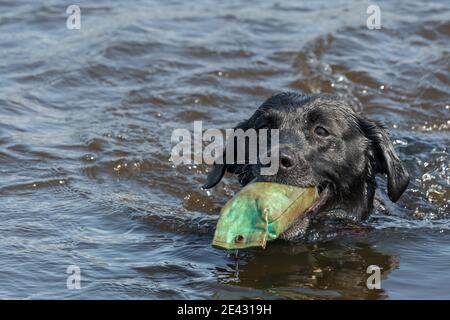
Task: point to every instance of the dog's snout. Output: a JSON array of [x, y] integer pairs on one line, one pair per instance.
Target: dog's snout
[[287, 159]]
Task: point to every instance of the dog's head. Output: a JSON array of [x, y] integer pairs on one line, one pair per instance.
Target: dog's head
[[324, 143]]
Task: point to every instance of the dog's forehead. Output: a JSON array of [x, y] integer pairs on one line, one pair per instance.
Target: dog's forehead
[[309, 109], [325, 111]]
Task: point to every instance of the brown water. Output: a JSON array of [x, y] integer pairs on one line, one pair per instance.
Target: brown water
[[86, 118]]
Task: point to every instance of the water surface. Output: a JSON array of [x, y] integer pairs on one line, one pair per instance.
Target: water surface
[[86, 118]]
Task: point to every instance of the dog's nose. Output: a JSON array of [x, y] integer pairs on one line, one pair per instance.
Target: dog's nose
[[287, 159]]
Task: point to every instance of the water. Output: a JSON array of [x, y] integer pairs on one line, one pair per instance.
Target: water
[[86, 118]]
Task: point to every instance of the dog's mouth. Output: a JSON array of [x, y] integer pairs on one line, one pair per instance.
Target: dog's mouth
[[324, 195], [302, 222], [324, 190]]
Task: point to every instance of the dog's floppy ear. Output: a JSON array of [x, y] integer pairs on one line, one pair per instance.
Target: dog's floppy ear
[[386, 160], [215, 175], [219, 167]]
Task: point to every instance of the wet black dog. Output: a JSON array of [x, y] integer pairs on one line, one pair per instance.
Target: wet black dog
[[324, 143]]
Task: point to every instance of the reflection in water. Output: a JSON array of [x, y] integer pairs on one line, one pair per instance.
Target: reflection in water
[[326, 270]]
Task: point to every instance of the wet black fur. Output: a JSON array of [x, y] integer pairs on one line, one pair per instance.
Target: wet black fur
[[346, 160]]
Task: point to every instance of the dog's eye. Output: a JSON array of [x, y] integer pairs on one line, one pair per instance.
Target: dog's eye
[[321, 132]]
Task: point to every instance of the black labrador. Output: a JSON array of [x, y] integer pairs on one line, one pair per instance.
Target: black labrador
[[323, 143]]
